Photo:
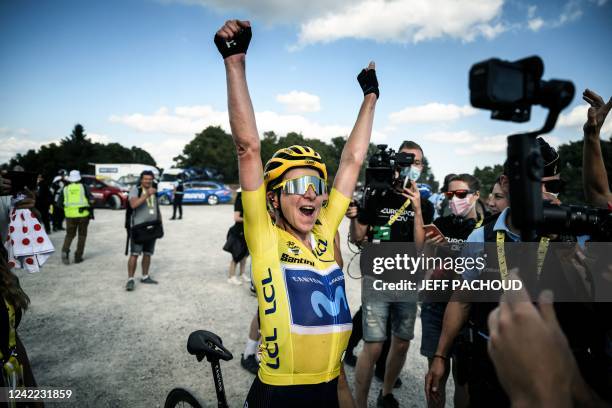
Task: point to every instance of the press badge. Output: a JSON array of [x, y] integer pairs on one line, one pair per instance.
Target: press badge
[[381, 232]]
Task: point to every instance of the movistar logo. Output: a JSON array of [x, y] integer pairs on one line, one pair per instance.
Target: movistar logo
[[321, 302]]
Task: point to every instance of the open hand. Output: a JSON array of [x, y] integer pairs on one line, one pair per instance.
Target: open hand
[[531, 355], [597, 113]]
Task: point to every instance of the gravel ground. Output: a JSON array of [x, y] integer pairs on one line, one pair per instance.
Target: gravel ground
[[128, 349]]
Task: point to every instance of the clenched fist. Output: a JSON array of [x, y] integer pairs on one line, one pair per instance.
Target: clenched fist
[[233, 38], [367, 80]]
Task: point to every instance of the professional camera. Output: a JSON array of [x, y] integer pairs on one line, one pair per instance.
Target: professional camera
[[509, 89], [577, 220], [384, 173]]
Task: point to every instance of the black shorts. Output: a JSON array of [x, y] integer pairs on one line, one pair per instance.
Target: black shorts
[[324, 395]]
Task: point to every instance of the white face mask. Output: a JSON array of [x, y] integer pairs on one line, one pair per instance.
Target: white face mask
[[412, 172], [461, 206]]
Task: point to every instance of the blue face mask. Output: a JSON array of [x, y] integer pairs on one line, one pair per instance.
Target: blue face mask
[[412, 172]]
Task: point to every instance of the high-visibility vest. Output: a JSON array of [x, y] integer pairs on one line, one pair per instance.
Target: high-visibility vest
[[75, 198]]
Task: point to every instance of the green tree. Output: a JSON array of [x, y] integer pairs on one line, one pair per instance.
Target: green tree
[[487, 176], [212, 147], [77, 152], [570, 166]]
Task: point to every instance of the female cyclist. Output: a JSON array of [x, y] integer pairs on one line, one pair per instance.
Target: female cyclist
[[303, 310]]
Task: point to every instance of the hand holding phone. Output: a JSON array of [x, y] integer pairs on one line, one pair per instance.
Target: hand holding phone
[[433, 235]]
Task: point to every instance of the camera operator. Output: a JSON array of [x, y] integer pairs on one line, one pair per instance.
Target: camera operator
[[579, 323], [594, 175], [391, 215]]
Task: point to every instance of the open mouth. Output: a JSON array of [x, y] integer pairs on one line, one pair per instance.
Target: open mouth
[[307, 210]]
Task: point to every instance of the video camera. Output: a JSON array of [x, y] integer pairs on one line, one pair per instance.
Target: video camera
[[509, 89], [383, 173]]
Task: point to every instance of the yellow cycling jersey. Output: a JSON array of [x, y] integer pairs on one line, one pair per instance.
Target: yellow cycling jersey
[[305, 320]]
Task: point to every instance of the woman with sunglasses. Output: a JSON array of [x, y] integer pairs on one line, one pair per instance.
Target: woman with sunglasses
[[303, 310], [463, 195]]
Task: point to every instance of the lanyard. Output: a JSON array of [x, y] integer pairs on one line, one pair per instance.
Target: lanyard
[[399, 212], [150, 200], [501, 254], [12, 341]]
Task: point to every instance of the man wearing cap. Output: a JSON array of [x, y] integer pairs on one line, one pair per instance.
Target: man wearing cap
[[76, 201]]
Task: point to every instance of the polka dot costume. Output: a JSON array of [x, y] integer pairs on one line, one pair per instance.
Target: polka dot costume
[[27, 244]]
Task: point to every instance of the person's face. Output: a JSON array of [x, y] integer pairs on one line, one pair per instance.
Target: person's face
[[497, 201], [300, 210], [147, 181], [547, 196], [418, 157], [459, 185]]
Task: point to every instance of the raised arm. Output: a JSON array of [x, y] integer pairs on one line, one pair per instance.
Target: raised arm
[[356, 147], [232, 41], [594, 176]]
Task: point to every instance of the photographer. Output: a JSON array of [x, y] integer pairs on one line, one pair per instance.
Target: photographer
[[594, 175], [143, 221], [463, 193], [76, 201], [390, 215], [57, 186], [579, 324]]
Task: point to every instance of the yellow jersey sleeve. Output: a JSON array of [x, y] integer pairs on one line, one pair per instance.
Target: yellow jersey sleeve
[[258, 228], [331, 215]]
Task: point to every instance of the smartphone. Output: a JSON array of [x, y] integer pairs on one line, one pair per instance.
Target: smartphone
[[20, 180], [432, 228]]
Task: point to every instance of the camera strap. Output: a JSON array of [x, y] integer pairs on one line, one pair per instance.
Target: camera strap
[[501, 254], [399, 212]]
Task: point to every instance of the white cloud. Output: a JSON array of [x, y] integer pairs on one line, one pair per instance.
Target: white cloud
[[578, 116], [297, 101], [164, 151], [185, 121], [485, 145], [99, 138], [13, 141], [535, 24], [404, 21], [460, 137], [431, 112], [271, 11], [531, 10]]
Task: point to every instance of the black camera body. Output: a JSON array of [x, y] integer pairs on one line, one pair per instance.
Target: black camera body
[[577, 220], [509, 89], [380, 176]]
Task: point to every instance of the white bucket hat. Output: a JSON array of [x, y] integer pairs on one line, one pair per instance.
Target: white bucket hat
[[74, 176]]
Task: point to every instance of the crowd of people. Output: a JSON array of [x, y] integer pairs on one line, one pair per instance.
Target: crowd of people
[[497, 352], [286, 218]]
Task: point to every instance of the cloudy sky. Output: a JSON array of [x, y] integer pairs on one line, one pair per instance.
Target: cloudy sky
[[146, 73]]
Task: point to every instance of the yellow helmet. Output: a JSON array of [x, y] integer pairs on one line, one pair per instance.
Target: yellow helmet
[[291, 157]]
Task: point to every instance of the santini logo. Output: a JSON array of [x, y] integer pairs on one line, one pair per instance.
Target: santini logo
[[290, 259], [321, 302]]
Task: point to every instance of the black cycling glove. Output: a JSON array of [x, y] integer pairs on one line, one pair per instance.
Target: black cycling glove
[[368, 82], [236, 45]]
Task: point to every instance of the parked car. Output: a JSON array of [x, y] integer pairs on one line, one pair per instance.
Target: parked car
[[201, 192], [106, 193]]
